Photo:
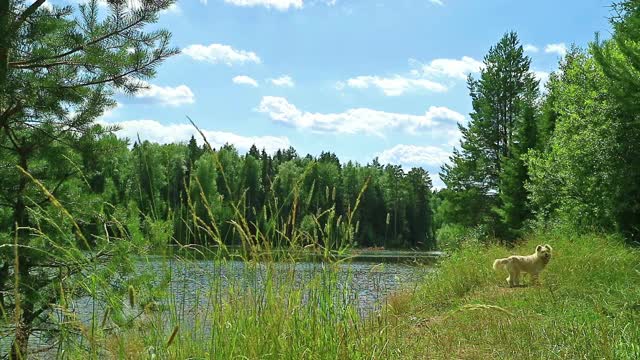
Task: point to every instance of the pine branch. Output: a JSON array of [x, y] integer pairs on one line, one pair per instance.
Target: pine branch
[[17, 64], [119, 76], [24, 16], [9, 113], [53, 64]]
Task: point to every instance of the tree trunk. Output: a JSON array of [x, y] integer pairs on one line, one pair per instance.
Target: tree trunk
[[24, 304], [4, 41], [20, 344]]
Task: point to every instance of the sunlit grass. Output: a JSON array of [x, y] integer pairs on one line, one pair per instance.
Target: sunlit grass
[[587, 307]]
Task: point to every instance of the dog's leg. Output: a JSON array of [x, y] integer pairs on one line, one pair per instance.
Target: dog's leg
[[513, 278], [534, 279], [516, 278]]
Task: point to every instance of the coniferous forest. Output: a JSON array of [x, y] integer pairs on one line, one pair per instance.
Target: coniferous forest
[[158, 189]]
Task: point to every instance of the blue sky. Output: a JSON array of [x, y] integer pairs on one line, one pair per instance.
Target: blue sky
[[361, 78]]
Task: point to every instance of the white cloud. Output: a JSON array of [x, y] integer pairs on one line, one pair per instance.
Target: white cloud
[[354, 121], [284, 80], [421, 77], [244, 80], [437, 183], [437, 2], [452, 68], [411, 155], [530, 48], [164, 134], [560, 49], [543, 77], [172, 9], [393, 86], [166, 95], [219, 53], [47, 5], [453, 136], [280, 5], [442, 112]]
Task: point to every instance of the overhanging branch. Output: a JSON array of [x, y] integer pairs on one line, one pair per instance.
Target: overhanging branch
[[18, 64], [25, 14]]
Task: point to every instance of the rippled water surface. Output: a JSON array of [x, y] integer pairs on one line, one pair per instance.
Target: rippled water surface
[[365, 283], [194, 285]]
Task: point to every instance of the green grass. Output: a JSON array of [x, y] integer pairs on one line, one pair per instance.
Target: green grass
[[586, 307], [276, 319]]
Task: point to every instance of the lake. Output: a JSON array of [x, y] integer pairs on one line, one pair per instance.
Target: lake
[[365, 283], [195, 285]]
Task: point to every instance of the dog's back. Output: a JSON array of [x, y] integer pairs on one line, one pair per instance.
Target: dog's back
[[500, 263]]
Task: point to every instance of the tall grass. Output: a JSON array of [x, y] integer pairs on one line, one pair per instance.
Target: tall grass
[[177, 306], [272, 319], [267, 311]]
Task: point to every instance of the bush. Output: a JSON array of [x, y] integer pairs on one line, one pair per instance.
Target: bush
[[451, 237]]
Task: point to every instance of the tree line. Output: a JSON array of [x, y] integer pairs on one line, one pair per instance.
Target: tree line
[[161, 189]]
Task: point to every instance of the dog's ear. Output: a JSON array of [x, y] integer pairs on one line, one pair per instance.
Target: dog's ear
[[538, 248], [548, 247]]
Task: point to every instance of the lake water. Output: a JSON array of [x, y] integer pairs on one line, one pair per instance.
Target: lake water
[[364, 283]]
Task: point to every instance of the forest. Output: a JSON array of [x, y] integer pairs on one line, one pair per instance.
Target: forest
[[157, 190], [74, 195], [567, 154]]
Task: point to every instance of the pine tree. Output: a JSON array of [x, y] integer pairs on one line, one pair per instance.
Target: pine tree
[[58, 69], [251, 186], [266, 176], [419, 215], [488, 168]]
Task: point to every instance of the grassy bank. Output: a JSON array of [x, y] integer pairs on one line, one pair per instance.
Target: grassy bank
[[586, 307]]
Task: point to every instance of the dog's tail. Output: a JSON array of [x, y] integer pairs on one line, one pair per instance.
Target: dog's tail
[[500, 263]]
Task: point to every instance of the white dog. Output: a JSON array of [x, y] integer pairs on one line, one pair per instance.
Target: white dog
[[532, 264]]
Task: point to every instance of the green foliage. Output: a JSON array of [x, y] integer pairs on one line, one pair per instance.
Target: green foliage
[[485, 179], [584, 176], [620, 57], [205, 200], [452, 237], [58, 70], [133, 224], [620, 61]]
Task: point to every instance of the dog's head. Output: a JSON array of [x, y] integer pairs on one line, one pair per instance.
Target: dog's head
[[544, 252]]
